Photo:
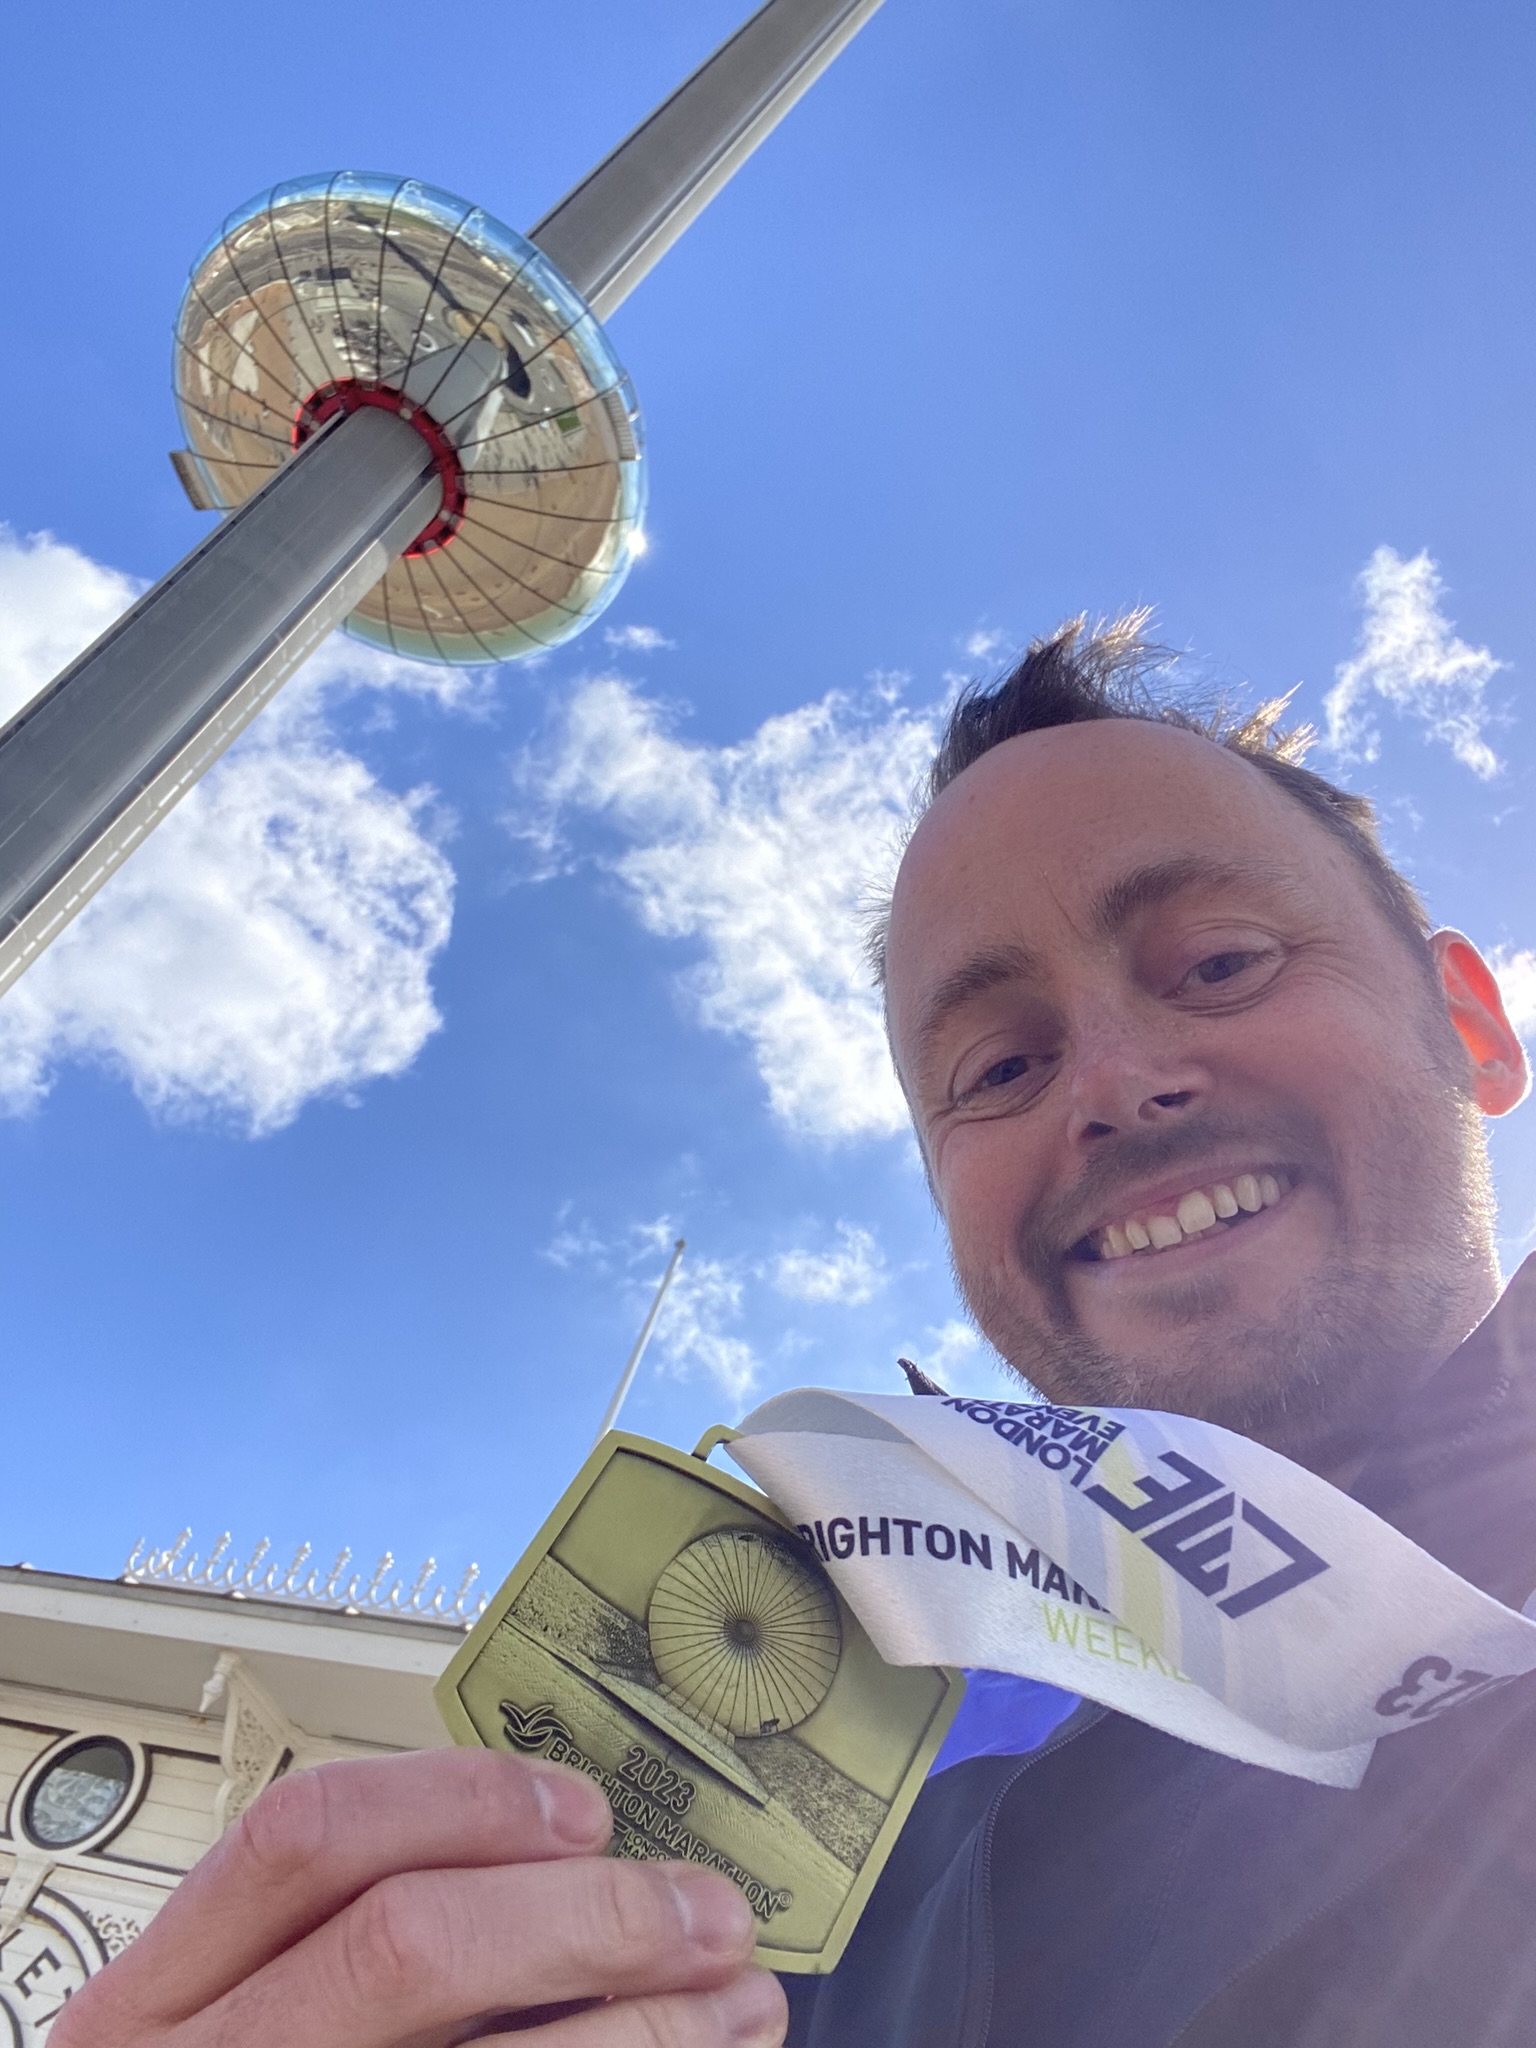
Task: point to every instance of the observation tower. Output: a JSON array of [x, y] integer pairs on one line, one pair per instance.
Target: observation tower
[[414, 422]]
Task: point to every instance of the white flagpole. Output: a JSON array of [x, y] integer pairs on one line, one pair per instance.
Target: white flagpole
[[626, 1378]]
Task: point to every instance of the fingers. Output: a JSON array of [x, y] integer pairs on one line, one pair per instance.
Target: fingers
[[749, 2012], [318, 1840], [426, 1951]]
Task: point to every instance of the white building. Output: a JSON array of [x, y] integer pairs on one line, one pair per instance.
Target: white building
[[139, 1716]]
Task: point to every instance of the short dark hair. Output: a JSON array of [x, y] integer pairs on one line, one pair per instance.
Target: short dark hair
[[1113, 670]]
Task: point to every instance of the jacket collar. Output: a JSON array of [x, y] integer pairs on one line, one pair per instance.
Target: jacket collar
[[1456, 1470]]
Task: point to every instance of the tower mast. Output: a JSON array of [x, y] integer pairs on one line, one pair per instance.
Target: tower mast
[[608, 231]]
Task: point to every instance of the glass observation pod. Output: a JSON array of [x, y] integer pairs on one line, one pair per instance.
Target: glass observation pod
[[329, 294]]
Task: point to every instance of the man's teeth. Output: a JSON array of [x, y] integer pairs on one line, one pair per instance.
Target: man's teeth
[[1196, 1214]]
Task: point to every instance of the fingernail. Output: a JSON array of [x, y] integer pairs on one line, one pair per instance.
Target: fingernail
[[715, 1916], [573, 1809], [753, 2009]]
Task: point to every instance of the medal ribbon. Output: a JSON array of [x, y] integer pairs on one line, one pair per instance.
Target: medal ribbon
[[1166, 1567]]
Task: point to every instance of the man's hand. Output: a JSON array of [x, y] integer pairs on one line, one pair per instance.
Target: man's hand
[[426, 1900]]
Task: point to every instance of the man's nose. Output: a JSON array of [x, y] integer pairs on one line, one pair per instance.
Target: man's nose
[[1122, 1081]]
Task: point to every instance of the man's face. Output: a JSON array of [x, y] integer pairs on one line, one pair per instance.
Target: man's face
[[1199, 1124]]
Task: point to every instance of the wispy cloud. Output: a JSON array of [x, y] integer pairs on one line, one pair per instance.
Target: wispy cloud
[[54, 602], [637, 639], [762, 853], [950, 1346], [851, 1272], [273, 941], [1410, 659], [984, 643], [723, 1318], [696, 1332], [961, 1360], [576, 1244]]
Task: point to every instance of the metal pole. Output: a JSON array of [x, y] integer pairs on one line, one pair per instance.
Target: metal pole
[[97, 758], [608, 231], [626, 1377]]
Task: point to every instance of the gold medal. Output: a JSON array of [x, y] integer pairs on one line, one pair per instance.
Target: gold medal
[[670, 1634]]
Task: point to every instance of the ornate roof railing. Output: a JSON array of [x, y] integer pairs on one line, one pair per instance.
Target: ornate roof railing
[[339, 1590]]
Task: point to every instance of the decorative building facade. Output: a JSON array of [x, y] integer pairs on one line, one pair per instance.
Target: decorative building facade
[[139, 1717]]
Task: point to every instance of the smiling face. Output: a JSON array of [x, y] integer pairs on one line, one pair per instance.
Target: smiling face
[[1202, 1125]]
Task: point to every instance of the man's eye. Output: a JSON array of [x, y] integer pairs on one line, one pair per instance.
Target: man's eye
[[1220, 967], [1004, 1086], [1011, 1069]]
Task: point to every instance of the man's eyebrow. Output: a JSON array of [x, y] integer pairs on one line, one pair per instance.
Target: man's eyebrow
[[984, 971], [1158, 882]]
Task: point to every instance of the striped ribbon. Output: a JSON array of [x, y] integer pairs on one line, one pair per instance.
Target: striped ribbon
[[1167, 1567]]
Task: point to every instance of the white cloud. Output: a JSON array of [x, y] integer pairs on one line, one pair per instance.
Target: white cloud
[[575, 1244], [637, 639], [852, 1273], [1516, 976], [1409, 658], [952, 1344], [712, 1301], [343, 666], [961, 1360], [983, 644], [694, 1333], [273, 940], [762, 852], [54, 602]]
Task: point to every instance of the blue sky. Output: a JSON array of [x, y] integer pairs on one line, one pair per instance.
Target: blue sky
[[343, 1136]]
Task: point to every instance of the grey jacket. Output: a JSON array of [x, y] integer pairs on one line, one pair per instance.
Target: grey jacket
[[1118, 1888]]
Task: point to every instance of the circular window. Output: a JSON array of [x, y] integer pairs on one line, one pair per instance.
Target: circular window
[[79, 1792]]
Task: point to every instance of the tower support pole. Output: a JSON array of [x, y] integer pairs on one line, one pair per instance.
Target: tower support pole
[[608, 231], [96, 759]]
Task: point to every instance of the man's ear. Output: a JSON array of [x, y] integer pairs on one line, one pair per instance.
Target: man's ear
[[1500, 1076]]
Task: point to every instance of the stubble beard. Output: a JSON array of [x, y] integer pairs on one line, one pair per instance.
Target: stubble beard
[[1320, 1378]]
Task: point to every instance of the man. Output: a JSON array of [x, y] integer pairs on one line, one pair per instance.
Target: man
[[1199, 1097], [1134, 976]]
